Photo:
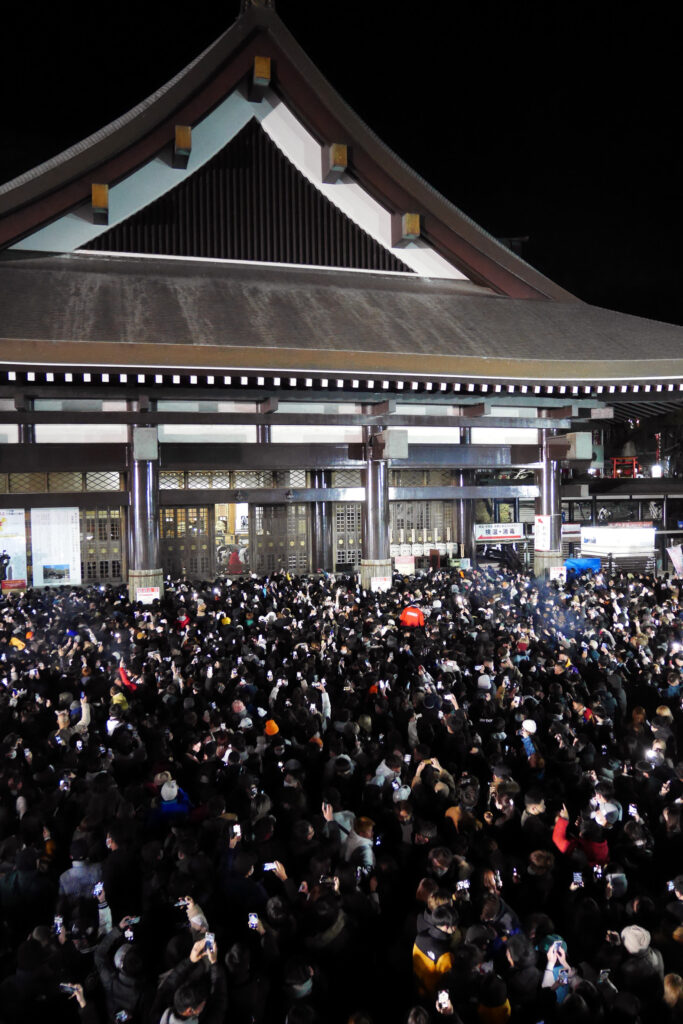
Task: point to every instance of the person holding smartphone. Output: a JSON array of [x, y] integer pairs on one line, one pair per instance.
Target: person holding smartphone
[[558, 973]]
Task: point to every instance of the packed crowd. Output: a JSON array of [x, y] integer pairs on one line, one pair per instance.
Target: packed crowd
[[289, 800]]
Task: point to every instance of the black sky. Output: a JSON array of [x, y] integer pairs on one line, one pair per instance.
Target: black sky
[[552, 121]]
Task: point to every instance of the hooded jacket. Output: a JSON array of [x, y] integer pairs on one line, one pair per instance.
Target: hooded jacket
[[432, 959]]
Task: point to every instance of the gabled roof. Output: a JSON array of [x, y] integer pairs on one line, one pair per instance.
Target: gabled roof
[[47, 193]]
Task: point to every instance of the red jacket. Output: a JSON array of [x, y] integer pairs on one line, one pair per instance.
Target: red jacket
[[411, 616], [596, 853]]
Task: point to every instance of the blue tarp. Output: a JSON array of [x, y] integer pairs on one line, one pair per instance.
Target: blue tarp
[[578, 565]]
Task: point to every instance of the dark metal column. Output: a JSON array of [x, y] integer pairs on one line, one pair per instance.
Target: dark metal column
[[322, 555], [548, 533], [464, 507], [144, 514], [376, 519], [376, 560], [144, 560], [263, 433]]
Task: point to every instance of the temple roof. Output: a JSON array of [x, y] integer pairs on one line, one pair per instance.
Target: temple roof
[[123, 311], [118, 151]]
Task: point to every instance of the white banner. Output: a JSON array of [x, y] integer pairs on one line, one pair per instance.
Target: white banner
[[378, 583], [676, 555], [405, 564], [56, 546], [617, 540], [542, 533], [12, 544], [498, 531]]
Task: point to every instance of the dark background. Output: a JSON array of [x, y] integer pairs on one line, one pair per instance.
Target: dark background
[[555, 122]]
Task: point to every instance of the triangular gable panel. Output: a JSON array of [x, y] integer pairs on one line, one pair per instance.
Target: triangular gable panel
[[248, 203]]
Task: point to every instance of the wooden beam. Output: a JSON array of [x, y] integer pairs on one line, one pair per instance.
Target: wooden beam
[[335, 161], [182, 146]]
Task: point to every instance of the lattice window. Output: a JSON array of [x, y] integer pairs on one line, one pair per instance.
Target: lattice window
[[29, 483], [89, 525], [198, 481], [65, 481], [348, 525], [103, 481], [440, 477], [171, 480], [427, 518], [4, 483], [100, 531], [221, 478], [279, 537], [198, 520], [115, 524], [297, 478], [253, 478], [181, 522], [347, 478], [411, 477], [167, 523], [399, 516]]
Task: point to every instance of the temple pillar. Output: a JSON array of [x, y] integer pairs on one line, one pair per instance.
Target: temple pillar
[[144, 560], [548, 524], [464, 508], [322, 555], [376, 560]]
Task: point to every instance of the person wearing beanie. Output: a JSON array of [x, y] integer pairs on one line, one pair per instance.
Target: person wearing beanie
[[642, 972], [120, 969], [174, 804], [527, 734]]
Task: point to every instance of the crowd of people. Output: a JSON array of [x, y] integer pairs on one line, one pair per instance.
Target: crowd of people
[[287, 799]]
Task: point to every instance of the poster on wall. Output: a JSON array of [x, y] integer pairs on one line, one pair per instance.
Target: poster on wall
[[55, 546], [12, 549]]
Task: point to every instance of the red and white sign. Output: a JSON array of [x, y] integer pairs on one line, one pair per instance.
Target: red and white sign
[[147, 595], [542, 533], [405, 564], [12, 585]]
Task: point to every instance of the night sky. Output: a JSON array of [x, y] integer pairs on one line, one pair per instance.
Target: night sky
[[551, 122]]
